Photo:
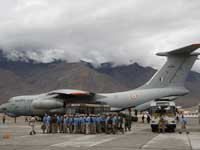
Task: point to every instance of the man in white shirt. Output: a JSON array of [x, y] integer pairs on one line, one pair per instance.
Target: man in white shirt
[[32, 124]]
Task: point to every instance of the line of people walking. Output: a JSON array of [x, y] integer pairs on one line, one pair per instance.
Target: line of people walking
[[86, 124]]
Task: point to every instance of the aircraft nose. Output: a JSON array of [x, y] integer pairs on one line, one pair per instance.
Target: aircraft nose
[[3, 108]]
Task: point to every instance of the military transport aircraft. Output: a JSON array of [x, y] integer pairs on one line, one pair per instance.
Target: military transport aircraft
[[167, 83]]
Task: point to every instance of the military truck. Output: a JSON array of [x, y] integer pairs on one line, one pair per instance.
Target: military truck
[[166, 110]]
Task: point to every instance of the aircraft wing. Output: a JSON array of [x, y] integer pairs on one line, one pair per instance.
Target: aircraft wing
[[69, 92], [73, 96]]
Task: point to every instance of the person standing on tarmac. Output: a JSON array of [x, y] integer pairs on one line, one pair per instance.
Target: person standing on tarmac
[[59, 123], [128, 123], [103, 123], [109, 124], [79, 124], [62, 123], [68, 124], [71, 122], [44, 125], [148, 118], [99, 124], [107, 117], [114, 124], [93, 124], [32, 124], [177, 118], [87, 125], [143, 118], [4, 119], [183, 121], [54, 124], [82, 124], [26, 119], [75, 124], [120, 124], [48, 124], [161, 125], [65, 122]]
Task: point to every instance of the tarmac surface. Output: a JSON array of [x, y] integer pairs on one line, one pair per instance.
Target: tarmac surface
[[14, 136]]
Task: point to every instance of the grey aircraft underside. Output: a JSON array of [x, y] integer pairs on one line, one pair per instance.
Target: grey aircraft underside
[[167, 83]]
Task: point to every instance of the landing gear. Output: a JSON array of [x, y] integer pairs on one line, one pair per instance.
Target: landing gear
[[32, 132], [171, 128], [154, 129]]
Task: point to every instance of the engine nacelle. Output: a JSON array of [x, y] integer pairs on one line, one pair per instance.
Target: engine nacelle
[[57, 111], [46, 104]]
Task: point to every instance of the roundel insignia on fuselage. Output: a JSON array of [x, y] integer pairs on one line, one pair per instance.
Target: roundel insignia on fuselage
[[133, 97]]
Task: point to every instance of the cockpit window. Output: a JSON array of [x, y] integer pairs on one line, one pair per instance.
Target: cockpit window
[[11, 100]]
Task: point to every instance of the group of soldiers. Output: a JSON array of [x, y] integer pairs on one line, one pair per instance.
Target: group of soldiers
[[86, 124]]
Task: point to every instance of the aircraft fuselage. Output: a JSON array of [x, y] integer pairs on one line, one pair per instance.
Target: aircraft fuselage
[[25, 105]]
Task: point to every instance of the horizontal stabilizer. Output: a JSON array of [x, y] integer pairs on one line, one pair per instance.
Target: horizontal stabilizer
[[187, 50]]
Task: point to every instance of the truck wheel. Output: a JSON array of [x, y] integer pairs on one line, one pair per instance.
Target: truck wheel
[[153, 129], [173, 130]]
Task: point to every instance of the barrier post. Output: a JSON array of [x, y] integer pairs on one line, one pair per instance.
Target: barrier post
[[199, 113]]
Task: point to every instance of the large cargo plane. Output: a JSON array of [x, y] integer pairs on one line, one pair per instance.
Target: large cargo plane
[[167, 83]]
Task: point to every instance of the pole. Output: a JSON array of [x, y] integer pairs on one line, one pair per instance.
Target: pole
[[199, 113]]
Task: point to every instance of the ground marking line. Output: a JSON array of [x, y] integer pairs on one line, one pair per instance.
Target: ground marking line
[[78, 143]]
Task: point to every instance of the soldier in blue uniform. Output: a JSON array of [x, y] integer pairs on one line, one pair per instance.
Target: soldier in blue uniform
[[49, 124], [87, 125]]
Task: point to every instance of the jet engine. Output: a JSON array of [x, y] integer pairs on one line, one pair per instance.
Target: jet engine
[[47, 104], [58, 111]]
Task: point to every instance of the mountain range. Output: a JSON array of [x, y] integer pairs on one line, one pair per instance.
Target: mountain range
[[28, 77]]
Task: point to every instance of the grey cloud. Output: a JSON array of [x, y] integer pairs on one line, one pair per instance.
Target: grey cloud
[[97, 31]]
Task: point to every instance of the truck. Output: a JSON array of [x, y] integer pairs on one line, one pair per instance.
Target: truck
[[166, 110]]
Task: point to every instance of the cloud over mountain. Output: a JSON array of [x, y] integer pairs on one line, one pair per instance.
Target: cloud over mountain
[[97, 31]]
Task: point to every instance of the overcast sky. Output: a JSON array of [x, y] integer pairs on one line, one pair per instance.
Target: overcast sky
[[121, 31]]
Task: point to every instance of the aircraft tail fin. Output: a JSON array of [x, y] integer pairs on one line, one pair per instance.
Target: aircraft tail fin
[[175, 71]]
